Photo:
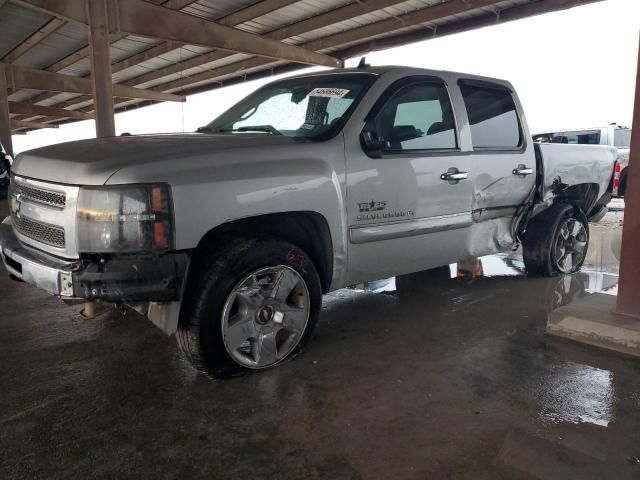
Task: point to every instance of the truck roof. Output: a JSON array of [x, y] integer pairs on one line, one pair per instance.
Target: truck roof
[[382, 69]]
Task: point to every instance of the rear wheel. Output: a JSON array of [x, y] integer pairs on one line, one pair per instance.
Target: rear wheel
[[254, 305], [556, 241]]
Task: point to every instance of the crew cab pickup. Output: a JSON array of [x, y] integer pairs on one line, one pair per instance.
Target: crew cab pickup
[[229, 236]]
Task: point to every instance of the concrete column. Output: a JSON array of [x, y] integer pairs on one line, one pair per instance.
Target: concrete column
[[5, 122], [628, 302], [101, 67]]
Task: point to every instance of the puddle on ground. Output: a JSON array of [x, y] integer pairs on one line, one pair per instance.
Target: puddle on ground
[[577, 393], [566, 391]]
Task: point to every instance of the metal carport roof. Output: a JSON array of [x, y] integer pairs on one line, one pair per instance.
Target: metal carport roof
[[46, 43]]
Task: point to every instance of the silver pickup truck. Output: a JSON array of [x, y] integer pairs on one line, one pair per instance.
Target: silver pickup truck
[[230, 236]]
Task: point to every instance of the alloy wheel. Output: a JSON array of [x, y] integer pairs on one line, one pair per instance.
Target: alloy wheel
[[265, 316], [571, 245]]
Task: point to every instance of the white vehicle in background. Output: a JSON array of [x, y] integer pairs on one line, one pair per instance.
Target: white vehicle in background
[[613, 135]]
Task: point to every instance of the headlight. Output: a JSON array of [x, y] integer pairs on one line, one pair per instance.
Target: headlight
[[124, 219]]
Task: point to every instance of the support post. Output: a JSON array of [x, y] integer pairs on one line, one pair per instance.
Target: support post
[[628, 302], [5, 121], [101, 68]]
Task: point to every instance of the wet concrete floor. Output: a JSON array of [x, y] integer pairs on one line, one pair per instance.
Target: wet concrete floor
[[424, 376]]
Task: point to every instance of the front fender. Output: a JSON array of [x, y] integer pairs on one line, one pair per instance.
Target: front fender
[[257, 189], [214, 187]]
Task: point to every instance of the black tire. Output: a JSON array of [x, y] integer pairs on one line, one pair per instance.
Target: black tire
[[622, 189], [214, 275], [541, 236]]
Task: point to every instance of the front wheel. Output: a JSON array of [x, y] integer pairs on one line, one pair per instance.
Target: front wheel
[[254, 304], [556, 241]]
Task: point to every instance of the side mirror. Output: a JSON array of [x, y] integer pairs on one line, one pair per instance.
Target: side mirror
[[372, 144]]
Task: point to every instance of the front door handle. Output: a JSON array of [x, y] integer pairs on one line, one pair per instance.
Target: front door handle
[[453, 175], [522, 170]]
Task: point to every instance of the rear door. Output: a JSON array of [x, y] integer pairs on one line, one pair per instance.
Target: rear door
[[403, 215], [503, 159]]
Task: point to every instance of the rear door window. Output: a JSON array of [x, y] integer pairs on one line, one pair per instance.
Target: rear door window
[[493, 117]]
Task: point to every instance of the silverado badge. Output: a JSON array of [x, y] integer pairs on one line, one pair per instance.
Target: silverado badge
[[372, 206]]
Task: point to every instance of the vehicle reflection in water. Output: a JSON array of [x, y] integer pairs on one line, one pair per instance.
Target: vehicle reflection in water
[[566, 391]]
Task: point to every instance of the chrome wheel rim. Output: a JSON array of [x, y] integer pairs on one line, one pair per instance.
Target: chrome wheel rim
[[571, 245], [265, 316]]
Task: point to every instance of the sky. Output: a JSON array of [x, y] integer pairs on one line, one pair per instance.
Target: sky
[[574, 68]]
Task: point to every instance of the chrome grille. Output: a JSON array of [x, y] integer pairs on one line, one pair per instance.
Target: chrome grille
[[39, 231], [39, 195], [43, 215]]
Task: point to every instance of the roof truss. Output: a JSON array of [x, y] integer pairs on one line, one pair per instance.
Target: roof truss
[[146, 19]]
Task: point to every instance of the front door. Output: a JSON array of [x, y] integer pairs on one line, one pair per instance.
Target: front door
[[409, 200]]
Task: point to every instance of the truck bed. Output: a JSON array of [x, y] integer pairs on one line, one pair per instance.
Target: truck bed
[[575, 164]]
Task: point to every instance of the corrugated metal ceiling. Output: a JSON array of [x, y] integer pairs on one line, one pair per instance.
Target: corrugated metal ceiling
[[329, 21]]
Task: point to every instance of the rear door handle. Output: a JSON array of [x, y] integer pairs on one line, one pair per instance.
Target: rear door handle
[[453, 175], [522, 170]]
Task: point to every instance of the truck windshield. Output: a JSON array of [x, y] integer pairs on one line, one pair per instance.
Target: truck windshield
[[314, 107]]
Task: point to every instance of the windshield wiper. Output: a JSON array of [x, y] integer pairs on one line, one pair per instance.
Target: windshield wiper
[[255, 128]]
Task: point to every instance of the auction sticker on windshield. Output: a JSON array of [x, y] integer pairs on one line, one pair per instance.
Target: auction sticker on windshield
[[328, 92]]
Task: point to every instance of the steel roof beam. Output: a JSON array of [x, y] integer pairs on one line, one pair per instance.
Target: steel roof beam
[[42, 33], [309, 24], [339, 14], [233, 19], [415, 17], [16, 124], [84, 52], [20, 77], [137, 17], [516, 12], [236, 18], [21, 108]]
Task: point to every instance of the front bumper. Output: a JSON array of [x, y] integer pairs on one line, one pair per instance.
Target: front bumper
[[126, 278], [45, 272]]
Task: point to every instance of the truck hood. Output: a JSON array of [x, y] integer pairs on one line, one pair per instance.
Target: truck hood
[[93, 162]]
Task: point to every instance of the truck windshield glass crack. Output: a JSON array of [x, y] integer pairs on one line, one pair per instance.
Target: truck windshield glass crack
[[313, 107]]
